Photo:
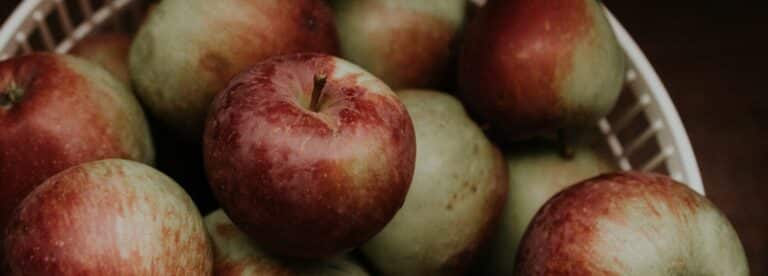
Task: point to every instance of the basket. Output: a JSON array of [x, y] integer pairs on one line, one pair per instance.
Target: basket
[[643, 132]]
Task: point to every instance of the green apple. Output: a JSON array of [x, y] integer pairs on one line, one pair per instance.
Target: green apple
[[457, 193], [236, 255], [537, 171], [187, 50], [406, 43]]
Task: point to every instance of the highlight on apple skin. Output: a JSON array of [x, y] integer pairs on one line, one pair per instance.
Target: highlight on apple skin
[[187, 50], [406, 43], [108, 217], [530, 67], [458, 191], [630, 223], [236, 255], [309, 154], [58, 111]]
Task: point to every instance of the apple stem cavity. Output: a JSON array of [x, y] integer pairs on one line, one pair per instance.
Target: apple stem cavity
[[11, 95], [317, 92], [566, 151]]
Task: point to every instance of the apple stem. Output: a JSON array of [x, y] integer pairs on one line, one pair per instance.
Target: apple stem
[[12, 95], [317, 92], [566, 151]]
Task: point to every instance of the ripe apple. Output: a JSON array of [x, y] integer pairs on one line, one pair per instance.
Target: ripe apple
[[456, 196], [108, 217], [58, 111], [309, 154], [187, 50], [110, 50], [537, 171], [630, 223], [528, 67], [235, 255], [406, 43]]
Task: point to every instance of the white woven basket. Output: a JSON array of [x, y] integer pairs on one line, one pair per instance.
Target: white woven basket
[[655, 141]]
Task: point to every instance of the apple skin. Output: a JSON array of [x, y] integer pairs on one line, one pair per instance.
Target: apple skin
[[302, 183], [108, 217], [457, 194], [406, 43], [71, 112], [529, 67], [187, 50], [236, 255], [110, 50], [537, 171], [630, 223]]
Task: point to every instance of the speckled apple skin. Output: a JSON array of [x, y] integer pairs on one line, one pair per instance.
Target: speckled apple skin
[[108, 217]]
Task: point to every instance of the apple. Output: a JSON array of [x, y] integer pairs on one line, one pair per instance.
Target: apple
[[530, 67], [456, 196], [537, 171], [187, 50], [406, 43], [236, 255], [110, 50], [630, 223], [108, 217], [58, 111], [309, 154]]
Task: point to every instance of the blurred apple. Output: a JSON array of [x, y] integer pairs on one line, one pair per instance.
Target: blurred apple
[[529, 67], [457, 194], [236, 255], [109, 217], [56, 112], [308, 154], [406, 43], [630, 223], [187, 50], [537, 171], [110, 50]]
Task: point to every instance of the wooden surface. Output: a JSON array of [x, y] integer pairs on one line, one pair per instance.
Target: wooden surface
[[711, 56]]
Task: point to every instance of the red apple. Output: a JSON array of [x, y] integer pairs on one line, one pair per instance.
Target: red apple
[[110, 50], [529, 67], [187, 50], [309, 154], [56, 112], [630, 223], [109, 217]]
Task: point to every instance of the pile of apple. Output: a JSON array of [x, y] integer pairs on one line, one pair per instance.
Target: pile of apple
[[330, 151]]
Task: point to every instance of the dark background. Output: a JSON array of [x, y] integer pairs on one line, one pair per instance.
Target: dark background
[[711, 56]]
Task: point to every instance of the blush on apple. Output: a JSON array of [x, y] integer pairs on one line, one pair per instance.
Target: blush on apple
[[308, 154], [236, 255], [406, 43], [110, 50], [108, 217], [630, 223], [530, 67], [56, 112], [187, 50]]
